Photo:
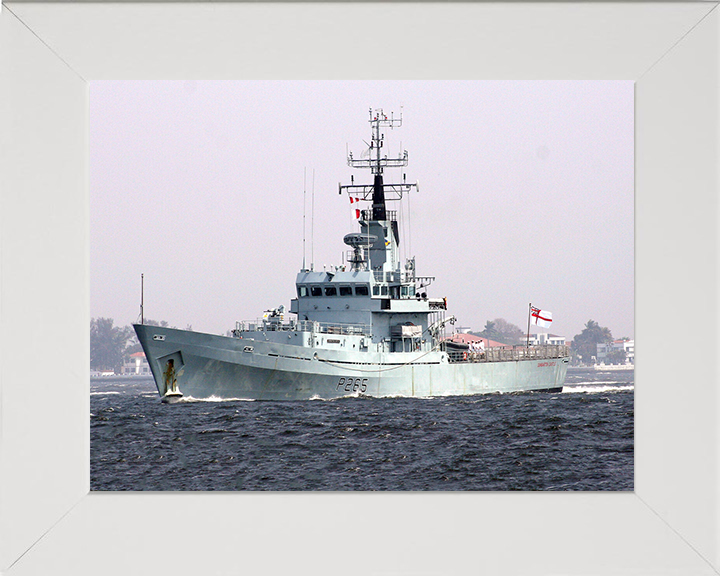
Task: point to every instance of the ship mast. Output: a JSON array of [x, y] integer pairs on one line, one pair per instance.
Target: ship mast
[[378, 222], [376, 162]]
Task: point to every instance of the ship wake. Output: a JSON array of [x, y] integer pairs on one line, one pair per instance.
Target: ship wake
[[186, 399], [597, 389]]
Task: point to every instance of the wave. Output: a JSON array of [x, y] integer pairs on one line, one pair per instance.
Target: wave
[[366, 396], [336, 398], [212, 399], [597, 383], [591, 389], [102, 393]]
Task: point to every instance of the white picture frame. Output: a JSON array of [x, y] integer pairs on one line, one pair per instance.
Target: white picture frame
[[49, 522]]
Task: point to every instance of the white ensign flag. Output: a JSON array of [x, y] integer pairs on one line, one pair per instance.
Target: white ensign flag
[[541, 318]]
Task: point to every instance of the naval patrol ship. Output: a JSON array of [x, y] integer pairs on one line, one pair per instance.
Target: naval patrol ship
[[367, 327]]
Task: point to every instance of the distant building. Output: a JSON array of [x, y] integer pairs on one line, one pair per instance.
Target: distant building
[[462, 329], [605, 349], [468, 338], [135, 364], [543, 338]]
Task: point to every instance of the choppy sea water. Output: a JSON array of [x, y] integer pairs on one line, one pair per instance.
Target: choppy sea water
[[580, 439]]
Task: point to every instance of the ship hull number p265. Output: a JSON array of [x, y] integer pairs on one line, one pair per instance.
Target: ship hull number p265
[[352, 384]]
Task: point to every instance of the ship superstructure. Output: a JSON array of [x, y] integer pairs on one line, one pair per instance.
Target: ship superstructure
[[374, 292], [364, 327]]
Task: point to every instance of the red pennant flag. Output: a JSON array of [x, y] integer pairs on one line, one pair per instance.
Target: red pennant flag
[[357, 213]]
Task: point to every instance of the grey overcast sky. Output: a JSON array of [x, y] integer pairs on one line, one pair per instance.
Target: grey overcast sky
[[525, 195]]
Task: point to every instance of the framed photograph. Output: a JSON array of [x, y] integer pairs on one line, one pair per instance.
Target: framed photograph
[[225, 195], [49, 520]]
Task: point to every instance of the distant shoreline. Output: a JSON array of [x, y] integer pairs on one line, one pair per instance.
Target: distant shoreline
[[598, 368], [122, 378]]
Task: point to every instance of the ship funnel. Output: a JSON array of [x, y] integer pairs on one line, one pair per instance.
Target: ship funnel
[[378, 199], [359, 242]]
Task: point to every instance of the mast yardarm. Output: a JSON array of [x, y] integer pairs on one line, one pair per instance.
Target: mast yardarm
[[377, 162]]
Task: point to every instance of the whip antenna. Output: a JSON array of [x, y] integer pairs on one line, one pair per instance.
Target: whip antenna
[[304, 202], [312, 225]]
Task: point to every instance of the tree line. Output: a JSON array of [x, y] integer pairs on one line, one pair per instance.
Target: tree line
[[110, 344], [584, 345]]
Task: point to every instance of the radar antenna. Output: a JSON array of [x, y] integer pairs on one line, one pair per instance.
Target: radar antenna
[[359, 242]]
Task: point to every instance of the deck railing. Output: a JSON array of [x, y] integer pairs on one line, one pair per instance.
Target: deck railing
[[334, 328], [367, 215], [511, 353], [303, 326]]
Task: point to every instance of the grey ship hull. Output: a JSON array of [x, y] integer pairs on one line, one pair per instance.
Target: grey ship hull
[[210, 366]]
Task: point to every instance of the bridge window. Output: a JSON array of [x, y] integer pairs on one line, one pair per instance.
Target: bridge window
[[345, 291], [302, 291], [376, 290], [383, 290], [316, 291], [361, 290], [330, 291]]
